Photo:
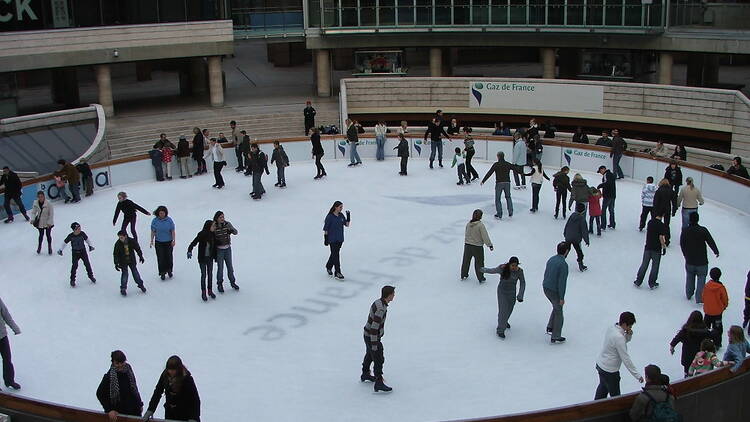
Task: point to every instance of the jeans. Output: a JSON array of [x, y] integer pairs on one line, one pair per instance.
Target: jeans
[[319, 165], [556, 318], [83, 256], [436, 146], [654, 257], [217, 173], [167, 169], [185, 166], [535, 188], [19, 204], [616, 165], [334, 260], [686, 215], [645, 211], [462, 174], [159, 171], [608, 204], [561, 195], [373, 354], [472, 172], [501, 187], [476, 252], [164, 256], [207, 268], [404, 163], [75, 190], [63, 193], [280, 175], [238, 154], [609, 384], [506, 301], [380, 152], [9, 373], [124, 275], [515, 177], [598, 220], [715, 327], [353, 154], [224, 256], [695, 272]]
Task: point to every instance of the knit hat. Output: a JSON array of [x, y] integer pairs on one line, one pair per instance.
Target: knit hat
[[580, 207], [122, 233], [74, 226]]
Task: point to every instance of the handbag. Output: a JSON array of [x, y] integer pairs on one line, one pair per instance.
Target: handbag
[[36, 219]]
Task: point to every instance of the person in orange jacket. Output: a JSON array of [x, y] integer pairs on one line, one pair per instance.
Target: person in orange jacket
[[715, 301]]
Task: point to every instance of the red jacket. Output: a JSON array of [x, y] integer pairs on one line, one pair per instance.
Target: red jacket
[[166, 155], [595, 206], [715, 298]]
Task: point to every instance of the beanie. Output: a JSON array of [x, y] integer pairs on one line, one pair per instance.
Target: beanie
[[580, 207], [74, 226]]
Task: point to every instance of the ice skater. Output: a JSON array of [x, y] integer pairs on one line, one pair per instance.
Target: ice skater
[[519, 159], [615, 353], [13, 188], [216, 152], [259, 164], [655, 248], [579, 191], [128, 209], [435, 131], [460, 159], [537, 178], [402, 150], [124, 255], [647, 201], [118, 392], [282, 162], [206, 256], [333, 236], [199, 143], [470, 151], [182, 402], [501, 169], [663, 204], [9, 373], [691, 335], [43, 218], [689, 198], [78, 242], [561, 184], [609, 194], [715, 302], [693, 241], [352, 138], [163, 238], [510, 274], [576, 231], [475, 238], [554, 284], [317, 153], [373, 334], [223, 230], [746, 312], [595, 211]]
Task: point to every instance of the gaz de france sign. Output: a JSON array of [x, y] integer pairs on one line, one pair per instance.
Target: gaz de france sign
[[568, 98]]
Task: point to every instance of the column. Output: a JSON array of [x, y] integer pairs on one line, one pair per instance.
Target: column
[[436, 62], [323, 72], [548, 63], [666, 60], [215, 81], [104, 83]]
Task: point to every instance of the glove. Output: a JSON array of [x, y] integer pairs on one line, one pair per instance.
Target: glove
[[190, 255], [348, 216], [519, 299], [141, 260], [91, 248], [325, 240], [148, 415], [663, 251], [117, 267], [59, 252]]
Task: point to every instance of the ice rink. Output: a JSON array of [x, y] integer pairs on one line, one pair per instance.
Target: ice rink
[[289, 345]]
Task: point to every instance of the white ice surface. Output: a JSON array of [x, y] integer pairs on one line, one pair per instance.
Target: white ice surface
[[442, 355]]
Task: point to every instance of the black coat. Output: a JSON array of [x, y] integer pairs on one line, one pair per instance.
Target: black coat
[[84, 169], [674, 177], [183, 148], [129, 403], [309, 113], [403, 148], [561, 181], [206, 246], [128, 209], [181, 405], [198, 146], [580, 138], [12, 184], [691, 339], [693, 241], [608, 187], [317, 148], [739, 171], [663, 200], [434, 131], [121, 259], [352, 135]]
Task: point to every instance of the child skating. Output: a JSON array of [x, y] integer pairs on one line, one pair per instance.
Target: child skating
[[460, 159], [78, 241]]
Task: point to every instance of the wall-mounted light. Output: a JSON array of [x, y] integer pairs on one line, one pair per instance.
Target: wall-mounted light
[[116, 53]]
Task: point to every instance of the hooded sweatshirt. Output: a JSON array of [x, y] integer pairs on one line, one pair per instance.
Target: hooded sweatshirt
[[576, 229], [715, 298], [476, 234], [580, 190], [647, 195]]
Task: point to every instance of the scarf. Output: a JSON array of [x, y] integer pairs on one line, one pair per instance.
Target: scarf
[[114, 384]]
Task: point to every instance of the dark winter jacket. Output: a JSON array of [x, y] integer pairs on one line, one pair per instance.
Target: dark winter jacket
[[309, 113], [680, 155], [129, 404], [259, 161], [434, 131], [502, 169], [124, 252], [156, 157], [580, 138], [223, 233], [576, 229], [352, 136], [561, 181], [279, 157], [77, 241], [618, 145], [70, 173], [691, 339], [161, 143], [674, 175], [642, 406], [180, 404], [12, 184], [580, 190], [84, 170], [739, 171], [403, 148], [128, 209], [693, 241], [206, 246], [663, 200], [183, 148], [198, 146], [608, 187], [245, 145], [604, 141], [317, 148]]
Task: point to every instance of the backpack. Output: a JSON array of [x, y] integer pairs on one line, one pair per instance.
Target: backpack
[[661, 411]]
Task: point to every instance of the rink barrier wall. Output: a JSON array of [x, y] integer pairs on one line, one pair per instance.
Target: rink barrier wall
[[715, 185]]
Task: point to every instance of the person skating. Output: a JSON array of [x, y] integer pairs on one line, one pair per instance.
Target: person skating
[[206, 256], [87, 176], [373, 334], [78, 241], [333, 236], [118, 392], [715, 302], [746, 313], [554, 284], [216, 152], [183, 157], [13, 187], [259, 164], [282, 162], [510, 274], [579, 191], [501, 169], [380, 137], [619, 146], [470, 151], [176, 384], [223, 230], [561, 185], [163, 238], [647, 201], [705, 360], [317, 153], [673, 173], [655, 248], [235, 136], [655, 398], [199, 144], [663, 204], [537, 177], [691, 335], [128, 209], [609, 194], [595, 211], [352, 138], [460, 158], [520, 160], [309, 113], [693, 241], [245, 151], [613, 355], [402, 151], [576, 231], [43, 218], [475, 238], [689, 198], [435, 131], [69, 173], [124, 256], [9, 373]]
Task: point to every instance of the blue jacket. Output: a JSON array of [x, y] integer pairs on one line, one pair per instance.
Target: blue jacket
[[556, 275], [334, 226], [519, 153], [163, 228], [736, 353]]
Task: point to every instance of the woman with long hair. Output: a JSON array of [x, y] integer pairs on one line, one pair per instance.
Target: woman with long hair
[[470, 151], [690, 197], [182, 402], [690, 335], [537, 177], [198, 146], [510, 274], [163, 237], [317, 153], [216, 152], [206, 255], [673, 173], [738, 348], [475, 237], [43, 218], [333, 236]]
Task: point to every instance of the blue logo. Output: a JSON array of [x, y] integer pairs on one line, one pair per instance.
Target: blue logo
[[341, 148], [566, 154], [418, 146], [475, 92]]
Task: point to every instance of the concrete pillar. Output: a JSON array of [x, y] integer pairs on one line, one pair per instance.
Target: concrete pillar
[[197, 75], [666, 61], [104, 83], [548, 63], [215, 81], [323, 72], [436, 62]]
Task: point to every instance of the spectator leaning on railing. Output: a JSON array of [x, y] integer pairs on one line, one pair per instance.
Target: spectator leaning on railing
[[737, 169]]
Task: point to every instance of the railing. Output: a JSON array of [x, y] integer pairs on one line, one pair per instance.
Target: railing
[[252, 22], [714, 15]]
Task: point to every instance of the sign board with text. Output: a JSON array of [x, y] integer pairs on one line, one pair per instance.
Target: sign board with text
[[568, 98]]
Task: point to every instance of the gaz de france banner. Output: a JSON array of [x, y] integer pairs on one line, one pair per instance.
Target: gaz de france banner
[[567, 98]]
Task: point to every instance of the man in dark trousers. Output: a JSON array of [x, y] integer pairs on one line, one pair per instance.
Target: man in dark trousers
[[577, 231], [9, 373], [554, 284], [309, 113], [245, 154], [618, 147], [656, 246], [435, 131], [374, 331], [235, 136], [352, 138], [13, 186], [128, 209], [693, 241], [609, 193], [502, 169], [118, 391], [124, 255]]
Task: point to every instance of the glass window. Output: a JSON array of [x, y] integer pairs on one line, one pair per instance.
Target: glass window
[[387, 12], [480, 12], [518, 12], [575, 12], [405, 12], [633, 15], [614, 12], [461, 12], [442, 12], [367, 12], [500, 12], [171, 11], [556, 12], [424, 12], [349, 13], [87, 13], [536, 12], [595, 12]]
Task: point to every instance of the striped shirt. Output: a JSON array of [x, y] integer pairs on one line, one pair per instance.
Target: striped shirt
[[374, 329]]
